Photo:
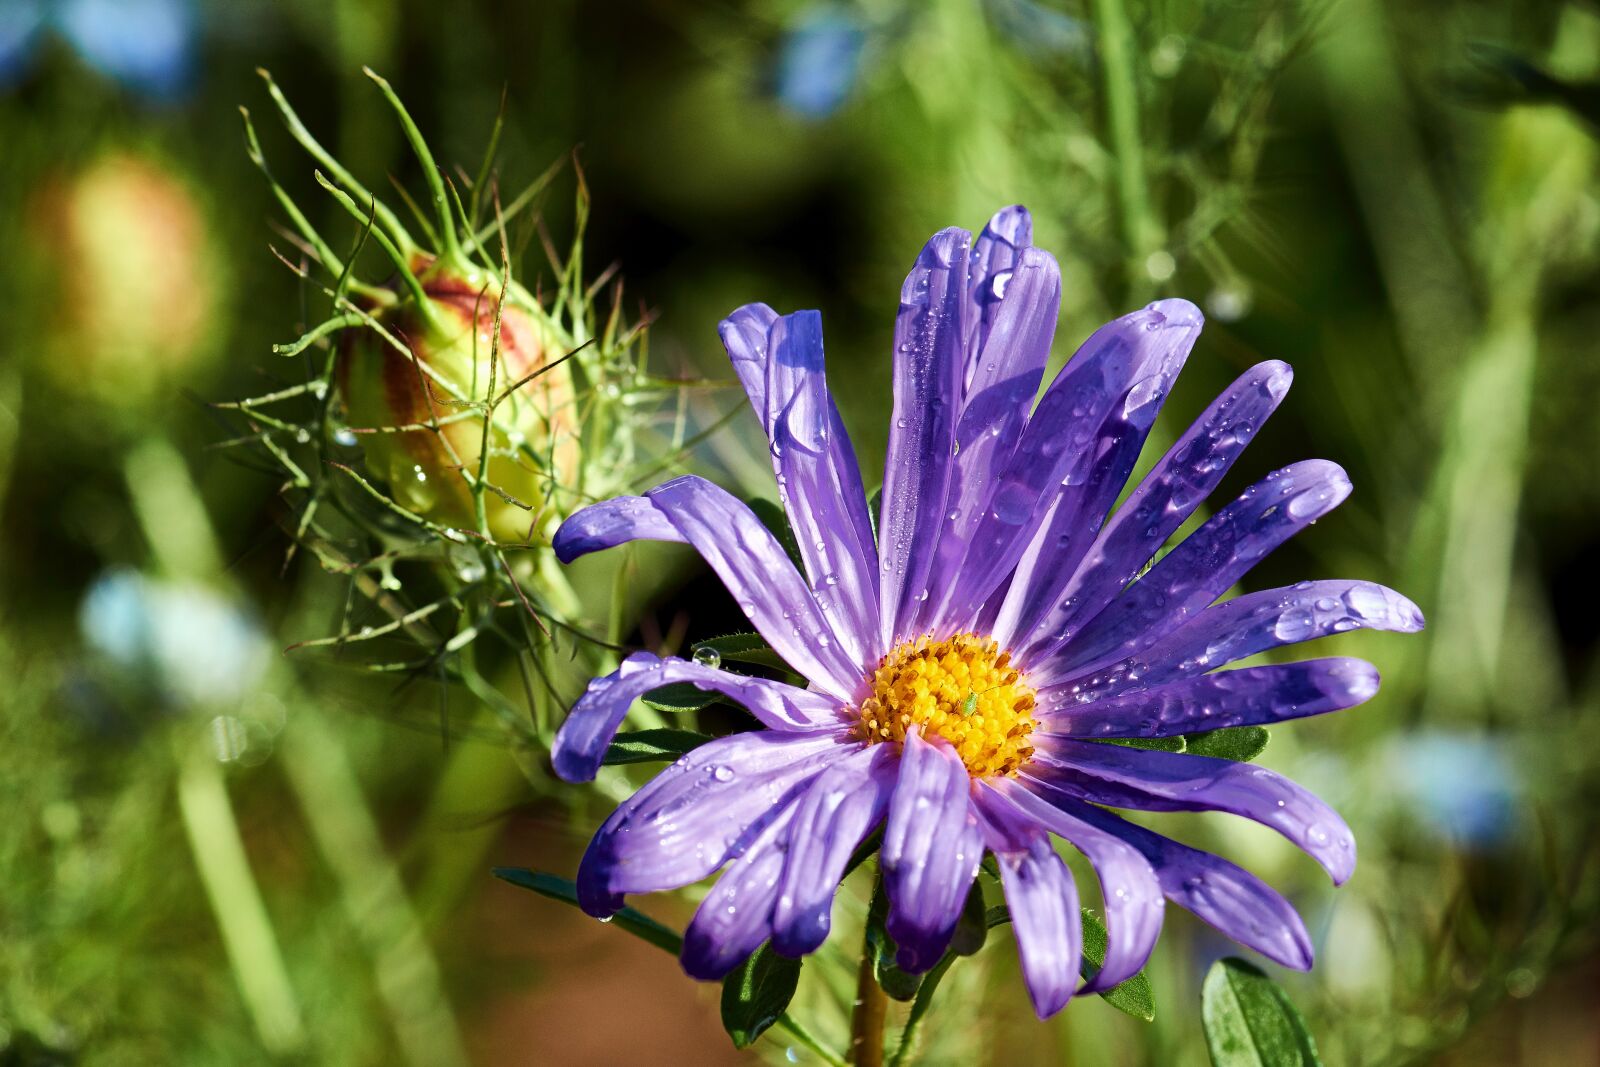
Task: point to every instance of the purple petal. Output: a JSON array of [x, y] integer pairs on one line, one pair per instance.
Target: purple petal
[[689, 819], [1228, 897], [736, 916], [820, 484], [611, 523], [744, 335], [1042, 898], [582, 741], [999, 395], [1121, 368], [928, 367], [1202, 567], [931, 851], [1246, 626], [761, 577], [838, 811], [1147, 780], [1008, 233], [1183, 478], [1129, 889], [1249, 697]]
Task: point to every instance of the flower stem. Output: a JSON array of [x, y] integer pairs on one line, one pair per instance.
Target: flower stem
[[1141, 230], [236, 903], [866, 1020]]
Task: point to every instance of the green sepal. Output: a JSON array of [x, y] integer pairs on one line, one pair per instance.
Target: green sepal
[[972, 929], [1238, 743], [652, 746], [680, 698], [1153, 744], [898, 984]]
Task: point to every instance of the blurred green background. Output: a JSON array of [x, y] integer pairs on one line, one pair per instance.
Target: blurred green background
[[213, 852]]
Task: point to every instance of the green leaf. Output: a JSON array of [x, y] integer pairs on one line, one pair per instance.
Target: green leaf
[[652, 746], [1158, 744], [680, 698], [634, 922], [874, 508], [744, 648], [1132, 995], [1238, 743], [1250, 1022], [972, 929], [773, 518], [757, 994]]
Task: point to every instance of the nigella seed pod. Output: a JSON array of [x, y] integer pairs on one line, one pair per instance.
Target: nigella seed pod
[[427, 389], [460, 387]]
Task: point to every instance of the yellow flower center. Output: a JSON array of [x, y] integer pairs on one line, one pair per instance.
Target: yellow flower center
[[963, 689]]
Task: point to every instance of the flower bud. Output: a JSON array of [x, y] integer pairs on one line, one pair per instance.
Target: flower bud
[[420, 414], [127, 244]]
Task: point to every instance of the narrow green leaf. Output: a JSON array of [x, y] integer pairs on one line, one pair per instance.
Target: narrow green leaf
[[652, 746], [680, 698], [1238, 743], [757, 994], [634, 922], [1250, 1022], [647, 929]]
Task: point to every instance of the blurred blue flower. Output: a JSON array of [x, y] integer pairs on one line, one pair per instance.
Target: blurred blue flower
[[147, 46], [1039, 30], [199, 648], [819, 61], [1462, 785]]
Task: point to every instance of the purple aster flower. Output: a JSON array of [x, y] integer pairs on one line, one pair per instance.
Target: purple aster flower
[[967, 656]]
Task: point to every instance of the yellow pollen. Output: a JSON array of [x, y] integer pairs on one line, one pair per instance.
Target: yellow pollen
[[963, 689]]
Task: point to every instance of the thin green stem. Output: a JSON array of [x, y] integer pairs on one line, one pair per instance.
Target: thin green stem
[[235, 898], [424, 306], [331, 261], [313, 147], [430, 169], [379, 908], [1142, 232], [919, 1011]]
